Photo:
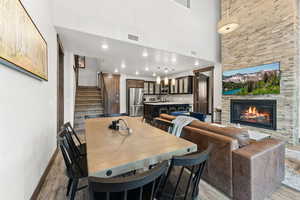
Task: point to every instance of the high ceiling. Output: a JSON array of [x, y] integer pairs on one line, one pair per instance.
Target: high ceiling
[[128, 58]]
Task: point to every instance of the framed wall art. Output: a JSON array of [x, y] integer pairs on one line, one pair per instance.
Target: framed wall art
[[22, 46], [80, 61]]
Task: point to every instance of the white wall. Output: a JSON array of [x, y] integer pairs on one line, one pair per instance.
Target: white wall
[[69, 87], [123, 77], [160, 24], [28, 116], [88, 76]]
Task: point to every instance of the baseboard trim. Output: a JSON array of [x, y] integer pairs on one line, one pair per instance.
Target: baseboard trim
[[43, 178]]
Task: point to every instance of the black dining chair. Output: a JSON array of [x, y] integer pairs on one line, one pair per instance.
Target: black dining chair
[[81, 147], [76, 168], [143, 186], [183, 177]]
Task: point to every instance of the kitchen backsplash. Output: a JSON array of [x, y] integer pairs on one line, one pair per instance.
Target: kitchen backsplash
[[186, 98]]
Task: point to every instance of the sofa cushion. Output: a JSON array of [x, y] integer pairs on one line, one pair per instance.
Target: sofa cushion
[[239, 134]]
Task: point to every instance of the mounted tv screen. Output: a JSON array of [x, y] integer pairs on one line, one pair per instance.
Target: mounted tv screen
[[259, 80]]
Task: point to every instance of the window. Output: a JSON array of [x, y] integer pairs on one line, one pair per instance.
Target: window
[[185, 3]]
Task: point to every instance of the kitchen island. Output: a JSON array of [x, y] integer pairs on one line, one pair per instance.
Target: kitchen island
[[154, 109]]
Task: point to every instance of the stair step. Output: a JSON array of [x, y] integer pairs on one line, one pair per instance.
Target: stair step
[[88, 89], [87, 98], [85, 109], [88, 101], [82, 115], [88, 95]]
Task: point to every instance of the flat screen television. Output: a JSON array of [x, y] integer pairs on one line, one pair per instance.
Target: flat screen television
[[259, 80]]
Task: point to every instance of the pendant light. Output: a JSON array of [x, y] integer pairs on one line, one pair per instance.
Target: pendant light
[[228, 23], [158, 80], [166, 81], [173, 82]]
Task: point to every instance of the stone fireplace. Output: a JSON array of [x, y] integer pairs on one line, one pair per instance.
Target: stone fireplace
[[271, 37], [256, 113]]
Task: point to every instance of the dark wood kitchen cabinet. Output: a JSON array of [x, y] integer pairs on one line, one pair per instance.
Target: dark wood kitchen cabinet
[[149, 87], [133, 83], [183, 85], [152, 110]]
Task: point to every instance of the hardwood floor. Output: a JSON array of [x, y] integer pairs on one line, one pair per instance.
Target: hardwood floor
[[54, 187]]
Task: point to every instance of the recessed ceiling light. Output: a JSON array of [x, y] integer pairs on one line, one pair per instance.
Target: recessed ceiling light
[[116, 70], [123, 65], [137, 73], [154, 74], [174, 59], [147, 68], [197, 62], [145, 53], [104, 46]]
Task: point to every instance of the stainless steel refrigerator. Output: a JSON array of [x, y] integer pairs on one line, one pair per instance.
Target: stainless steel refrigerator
[[136, 102]]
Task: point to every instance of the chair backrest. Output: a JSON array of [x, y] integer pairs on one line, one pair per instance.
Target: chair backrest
[[137, 187], [70, 158], [195, 163], [70, 137], [70, 129]]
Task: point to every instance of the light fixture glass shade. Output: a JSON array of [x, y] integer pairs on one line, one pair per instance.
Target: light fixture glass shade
[[166, 81], [173, 81], [228, 24], [158, 80]]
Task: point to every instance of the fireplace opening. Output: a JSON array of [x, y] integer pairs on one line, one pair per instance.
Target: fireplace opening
[[257, 113]]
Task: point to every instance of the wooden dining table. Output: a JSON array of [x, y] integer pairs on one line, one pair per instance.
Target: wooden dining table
[[111, 153]]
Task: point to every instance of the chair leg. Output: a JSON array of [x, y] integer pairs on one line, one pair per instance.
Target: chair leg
[[74, 189], [69, 186]]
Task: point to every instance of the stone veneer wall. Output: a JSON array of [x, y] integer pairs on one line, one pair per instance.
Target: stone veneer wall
[[268, 33]]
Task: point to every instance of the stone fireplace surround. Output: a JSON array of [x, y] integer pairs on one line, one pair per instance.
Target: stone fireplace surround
[[271, 37]]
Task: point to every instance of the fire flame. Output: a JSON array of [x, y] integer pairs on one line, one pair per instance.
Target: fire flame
[[253, 113]]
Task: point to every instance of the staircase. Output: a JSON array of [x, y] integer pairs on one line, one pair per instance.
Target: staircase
[[88, 103]]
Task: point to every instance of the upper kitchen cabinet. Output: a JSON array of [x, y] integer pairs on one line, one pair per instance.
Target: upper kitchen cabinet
[[164, 88], [183, 85], [174, 87], [146, 87], [149, 87], [157, 88], [133, 83]]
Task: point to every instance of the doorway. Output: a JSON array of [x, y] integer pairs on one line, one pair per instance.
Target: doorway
[[60, 85], [203, 91]]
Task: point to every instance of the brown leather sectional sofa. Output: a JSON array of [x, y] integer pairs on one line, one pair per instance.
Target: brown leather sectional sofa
[[239, 167]]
